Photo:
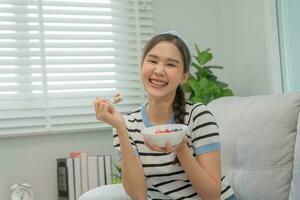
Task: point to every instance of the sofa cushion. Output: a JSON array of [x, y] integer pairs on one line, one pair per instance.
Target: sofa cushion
[[258, 136], [295, 194]]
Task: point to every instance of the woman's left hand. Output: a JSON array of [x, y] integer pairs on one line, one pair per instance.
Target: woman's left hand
[[168, 147]]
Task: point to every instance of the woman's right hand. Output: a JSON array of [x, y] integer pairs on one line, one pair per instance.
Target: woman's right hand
[[106, 112]]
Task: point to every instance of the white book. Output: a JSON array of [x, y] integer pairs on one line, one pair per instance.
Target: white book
[[93, 172], [84, 173], [108, 169], [71, 179], [77, 176], [101, 171]]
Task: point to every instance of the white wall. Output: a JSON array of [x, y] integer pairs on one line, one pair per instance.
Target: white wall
[[236, 32], [33, 158]]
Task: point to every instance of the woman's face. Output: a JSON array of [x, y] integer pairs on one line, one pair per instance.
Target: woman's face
[[162, 70]]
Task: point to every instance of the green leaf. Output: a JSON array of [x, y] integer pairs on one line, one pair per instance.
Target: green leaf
[[205, 100], [213, 88], [193, 84], [221, 84], [200, 74], [227, 92], [198, 60], [208, 58], [212, 78], [117, 180], [191, 76], [196, 99], [195, 65], [203, 83], [208, 72], [118, 167], [204, 57], [197, 50], [214, 67]]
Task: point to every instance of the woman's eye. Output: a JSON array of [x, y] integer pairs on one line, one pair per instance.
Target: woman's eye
[[152, 61], [171, 65]]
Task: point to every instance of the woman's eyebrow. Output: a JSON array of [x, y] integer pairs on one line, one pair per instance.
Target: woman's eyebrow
[[168, 59], [153, 56]]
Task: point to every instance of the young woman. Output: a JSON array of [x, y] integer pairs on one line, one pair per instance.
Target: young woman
[[191, 170]]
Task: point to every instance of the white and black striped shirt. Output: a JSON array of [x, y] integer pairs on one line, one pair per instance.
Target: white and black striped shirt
[[166, 180]]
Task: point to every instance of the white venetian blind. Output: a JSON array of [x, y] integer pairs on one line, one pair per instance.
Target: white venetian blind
[[56, 56]]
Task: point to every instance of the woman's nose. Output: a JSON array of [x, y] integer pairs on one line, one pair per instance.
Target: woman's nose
[[158, 70]]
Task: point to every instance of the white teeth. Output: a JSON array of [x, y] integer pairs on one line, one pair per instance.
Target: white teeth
[[159, 83]]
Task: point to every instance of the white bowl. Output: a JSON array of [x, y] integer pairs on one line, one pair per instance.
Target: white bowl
[[174, 136]]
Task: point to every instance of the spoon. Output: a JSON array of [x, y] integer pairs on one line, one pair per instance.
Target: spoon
[[117, 99]]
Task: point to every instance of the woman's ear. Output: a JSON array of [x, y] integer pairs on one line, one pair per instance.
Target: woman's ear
[[185, 78]]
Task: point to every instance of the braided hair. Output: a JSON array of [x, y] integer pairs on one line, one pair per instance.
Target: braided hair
[[178, 106]]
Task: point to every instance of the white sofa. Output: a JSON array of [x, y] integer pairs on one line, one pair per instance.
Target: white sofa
[[260, 145]]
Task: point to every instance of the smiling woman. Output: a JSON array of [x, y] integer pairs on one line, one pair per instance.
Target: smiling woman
[[56, 56], [181, 165]]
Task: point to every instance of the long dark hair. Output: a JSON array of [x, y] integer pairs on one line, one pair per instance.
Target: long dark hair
[[178, 105]]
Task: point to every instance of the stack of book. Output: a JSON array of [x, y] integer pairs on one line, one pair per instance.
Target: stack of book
[[82, 172]]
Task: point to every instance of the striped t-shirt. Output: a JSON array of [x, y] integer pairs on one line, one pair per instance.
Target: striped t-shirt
[[166, 179]]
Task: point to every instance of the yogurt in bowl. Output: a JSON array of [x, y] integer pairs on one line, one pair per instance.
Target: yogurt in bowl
[[159, 135]]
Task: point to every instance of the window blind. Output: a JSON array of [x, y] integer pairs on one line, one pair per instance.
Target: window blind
[[56, 56]]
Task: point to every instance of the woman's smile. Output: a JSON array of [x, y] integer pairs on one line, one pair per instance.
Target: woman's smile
[[157, 83]]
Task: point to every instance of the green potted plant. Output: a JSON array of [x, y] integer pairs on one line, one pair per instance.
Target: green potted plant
[[203, 86]]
